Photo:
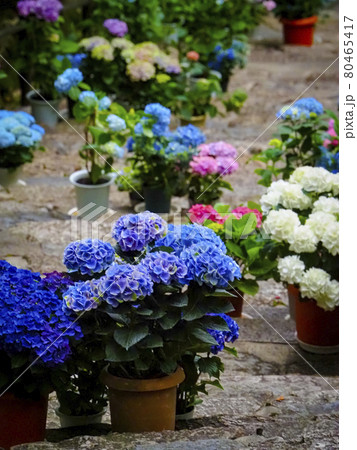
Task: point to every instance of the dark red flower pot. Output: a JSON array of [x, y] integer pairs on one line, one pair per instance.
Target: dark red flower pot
[[237, 303], [299, 31], [22, 420], [293, 295], [317, 329]]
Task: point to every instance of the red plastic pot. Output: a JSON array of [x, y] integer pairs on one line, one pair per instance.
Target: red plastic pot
[[237, 303], [293, 296], [317, 329], [22, 420], [299, 31]]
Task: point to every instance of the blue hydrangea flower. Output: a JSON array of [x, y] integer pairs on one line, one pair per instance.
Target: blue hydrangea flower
[[24, 118], [309, 104], [68, 79], [224, 336], [289, 112], [88, 256], [138, 129], [35, 135], [21, 130], [161, 113], [328, 160], [25, 141], [7, 139], [87, 94], [5, 113], [130, 144], [134, 232], [104, 103], [207, 265], [38, 128], [116, 123], [75, 59], [81, 296], [9, 123], [125, 283], [190, 136], [180, 237], [32, 321], [175, 149], [56, 281], [164, 267]]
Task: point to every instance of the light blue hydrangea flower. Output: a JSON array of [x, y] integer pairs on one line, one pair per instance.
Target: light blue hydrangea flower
[[25, 141], [68, 79], [38, 128], [116, 123], [104, 103], [309, 104], [24, 118], [7, 139], [21, 130], [87, 94]]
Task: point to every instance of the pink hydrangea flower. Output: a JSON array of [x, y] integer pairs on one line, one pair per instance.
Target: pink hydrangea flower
[[242, 210], [269, 5], [226, 166], [204, 165], [199, 213], [218, 149]]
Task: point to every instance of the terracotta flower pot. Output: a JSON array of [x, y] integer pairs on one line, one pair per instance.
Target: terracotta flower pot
[[22, 420], [142, 405], [317, 329], [237, 303], [299, 31], [293, 295]]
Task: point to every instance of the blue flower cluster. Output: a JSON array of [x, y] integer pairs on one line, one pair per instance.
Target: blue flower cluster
[[328, 160], [189, 136], [68, 79], [116, 123], [301, 108], [164, 267], [134, 232], [88, 256], [162, 116], [207, 264], [224, 336], [125, 283], [103, 103], [32, 319], [180, 237], [81, 296], [74, 59], [228, 58], [19, 128], [175, 149], [56, 282]]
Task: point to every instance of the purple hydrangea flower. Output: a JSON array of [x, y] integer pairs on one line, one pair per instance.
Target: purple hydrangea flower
[[134, 232], [116, 27], [48, 10], [164, 267], [88, 256], [125, 283]]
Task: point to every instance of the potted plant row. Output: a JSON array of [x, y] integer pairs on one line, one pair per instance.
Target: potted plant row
[[19, 138], [302, 220]]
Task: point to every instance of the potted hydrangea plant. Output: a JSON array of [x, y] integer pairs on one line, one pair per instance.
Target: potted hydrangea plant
[[214, 161], [302, 222], [303, 139], [35, 337], [19, 138], [239, 228], [150, 309], [299, 19], [160, 158], [107, 126]]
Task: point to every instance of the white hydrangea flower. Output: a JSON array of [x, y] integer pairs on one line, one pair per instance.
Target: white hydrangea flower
[[330, 238], [291, 269], [290, 196], [326, 204], [328, 299], [303, 240], [280, 224], [313, 179], [318, 222], [313, 283], [335, 183]]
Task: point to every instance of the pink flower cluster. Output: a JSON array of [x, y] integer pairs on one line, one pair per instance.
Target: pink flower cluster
[[215, 158], [199, 213], [331, 131]]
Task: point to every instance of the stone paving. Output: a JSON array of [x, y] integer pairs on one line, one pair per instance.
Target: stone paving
[[276, 396]]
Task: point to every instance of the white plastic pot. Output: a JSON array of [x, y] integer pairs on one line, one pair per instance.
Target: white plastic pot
[[97, 194], [78, 421], [9, 176]]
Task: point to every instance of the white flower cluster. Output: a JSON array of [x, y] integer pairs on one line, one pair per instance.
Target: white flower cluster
[[315, 179], [326, 204], [280, 225], [291, 269], [317, 284], [288, 195]]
